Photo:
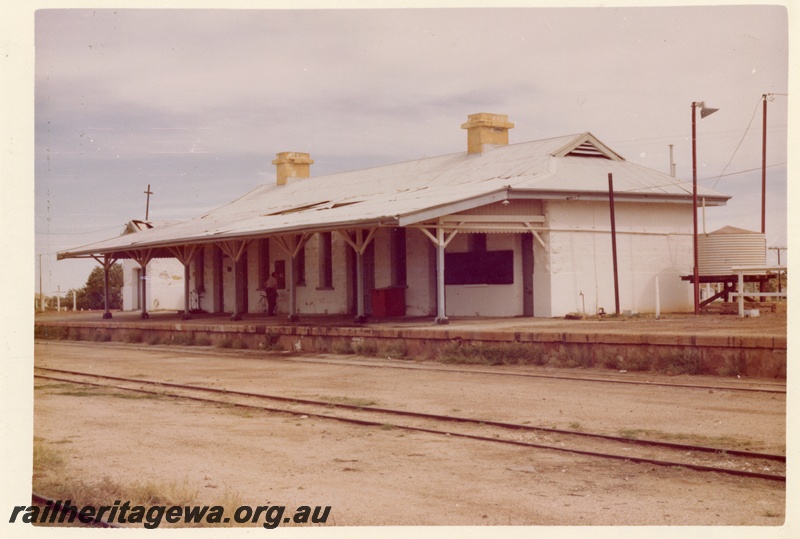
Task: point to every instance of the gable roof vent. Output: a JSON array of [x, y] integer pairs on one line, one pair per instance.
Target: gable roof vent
[[587, 149], [587, 145]]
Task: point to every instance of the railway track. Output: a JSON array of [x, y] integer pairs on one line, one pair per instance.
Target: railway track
[[652, 452], [638, 378]]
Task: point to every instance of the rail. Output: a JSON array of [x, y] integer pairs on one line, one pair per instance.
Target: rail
[[436, 418]]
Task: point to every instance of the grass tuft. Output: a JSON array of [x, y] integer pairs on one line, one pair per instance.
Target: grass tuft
[[133, 337], [342, 347], [393, 350], [492, 354], [182, 339], [365, 348]]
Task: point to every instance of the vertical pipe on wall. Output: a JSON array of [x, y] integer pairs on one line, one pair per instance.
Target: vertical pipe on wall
[[658, 301], [704, 214], [671, 162]]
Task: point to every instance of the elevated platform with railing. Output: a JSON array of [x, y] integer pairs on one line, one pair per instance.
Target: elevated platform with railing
[[733, 284]]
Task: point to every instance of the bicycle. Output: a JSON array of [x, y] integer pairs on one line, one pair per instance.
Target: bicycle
[[195, 297]]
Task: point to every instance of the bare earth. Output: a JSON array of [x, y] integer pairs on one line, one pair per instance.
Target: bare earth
[[383, 476]]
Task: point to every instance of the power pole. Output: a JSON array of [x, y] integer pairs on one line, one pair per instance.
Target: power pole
[[147, 208], [764, 166]]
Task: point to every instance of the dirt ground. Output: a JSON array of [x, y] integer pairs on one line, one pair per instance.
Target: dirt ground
[[384, 476]]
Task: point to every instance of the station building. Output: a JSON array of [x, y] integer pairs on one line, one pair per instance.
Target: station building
[[497, 230]]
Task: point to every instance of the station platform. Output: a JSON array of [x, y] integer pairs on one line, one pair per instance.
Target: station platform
[[755, 347]]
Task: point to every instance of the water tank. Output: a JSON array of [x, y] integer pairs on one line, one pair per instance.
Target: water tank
[[729, 246]]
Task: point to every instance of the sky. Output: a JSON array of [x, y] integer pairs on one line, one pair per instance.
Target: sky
[[196, 103], [97, 104]]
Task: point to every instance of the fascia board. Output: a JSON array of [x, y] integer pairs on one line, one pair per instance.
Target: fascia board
[[603, 196], [202, 240], [452, 207]]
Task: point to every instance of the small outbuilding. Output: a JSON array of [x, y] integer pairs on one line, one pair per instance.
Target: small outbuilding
[[497, 230]]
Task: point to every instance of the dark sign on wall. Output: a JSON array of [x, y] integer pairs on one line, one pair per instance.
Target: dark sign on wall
[[487, 267]]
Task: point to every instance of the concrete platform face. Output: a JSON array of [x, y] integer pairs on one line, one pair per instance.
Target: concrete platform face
[[753, 347]]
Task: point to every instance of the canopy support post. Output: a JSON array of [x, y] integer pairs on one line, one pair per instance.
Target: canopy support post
[[106, 262]]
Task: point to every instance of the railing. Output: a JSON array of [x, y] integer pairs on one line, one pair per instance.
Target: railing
[[740, 271]]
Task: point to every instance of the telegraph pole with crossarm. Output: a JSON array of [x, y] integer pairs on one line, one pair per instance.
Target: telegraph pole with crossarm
[[147, 208]]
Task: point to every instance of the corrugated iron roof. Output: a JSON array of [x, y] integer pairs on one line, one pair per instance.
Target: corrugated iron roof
[[409, 192]]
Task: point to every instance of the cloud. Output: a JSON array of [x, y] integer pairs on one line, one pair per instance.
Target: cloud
[[197, 102]]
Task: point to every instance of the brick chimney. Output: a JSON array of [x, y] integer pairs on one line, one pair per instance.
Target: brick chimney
[[485, 128], [292, 165]]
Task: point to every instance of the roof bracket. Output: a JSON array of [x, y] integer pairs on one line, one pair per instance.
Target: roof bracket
[[184, 253], [360, 244], [536, 235], [234, 248]]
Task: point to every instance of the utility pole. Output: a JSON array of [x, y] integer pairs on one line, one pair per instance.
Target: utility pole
[[764, 166], [704, 111], [147, 208], [613, 240]]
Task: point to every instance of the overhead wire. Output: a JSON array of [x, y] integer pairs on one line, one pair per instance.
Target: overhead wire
[[740, 141]]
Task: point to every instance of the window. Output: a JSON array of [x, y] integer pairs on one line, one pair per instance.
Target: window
[[280, 274]]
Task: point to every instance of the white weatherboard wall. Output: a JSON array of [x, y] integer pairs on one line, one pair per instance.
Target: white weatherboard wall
[[227, 283], [164, 285], [652, 239], [485, 299], [311, 299]]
